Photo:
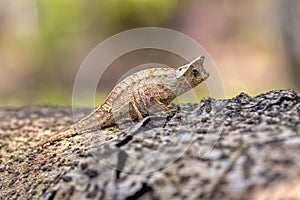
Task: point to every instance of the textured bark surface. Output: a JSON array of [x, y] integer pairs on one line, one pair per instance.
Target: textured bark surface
[[240, 148]]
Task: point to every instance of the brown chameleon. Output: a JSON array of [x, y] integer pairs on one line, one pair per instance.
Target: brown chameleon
[[136, 94]]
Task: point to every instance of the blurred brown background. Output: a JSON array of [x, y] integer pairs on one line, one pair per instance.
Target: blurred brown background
[[255, 43]]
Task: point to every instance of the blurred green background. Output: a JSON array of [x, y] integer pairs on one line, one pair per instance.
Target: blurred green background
[[255, 43]]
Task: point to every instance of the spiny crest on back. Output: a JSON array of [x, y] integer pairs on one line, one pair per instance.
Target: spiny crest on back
[[194, 72]]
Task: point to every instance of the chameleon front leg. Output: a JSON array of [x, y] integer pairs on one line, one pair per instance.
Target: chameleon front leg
[[135, 110], [167, 107]]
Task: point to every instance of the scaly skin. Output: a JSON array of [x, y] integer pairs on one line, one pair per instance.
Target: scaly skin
[[133, 96]]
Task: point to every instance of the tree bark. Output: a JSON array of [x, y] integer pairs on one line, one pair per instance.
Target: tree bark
[[240, 148]]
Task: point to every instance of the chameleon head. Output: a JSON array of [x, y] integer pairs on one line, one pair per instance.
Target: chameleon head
[[194, 72]]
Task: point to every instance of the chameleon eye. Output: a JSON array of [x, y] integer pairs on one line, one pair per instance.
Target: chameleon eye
[[195, 72]]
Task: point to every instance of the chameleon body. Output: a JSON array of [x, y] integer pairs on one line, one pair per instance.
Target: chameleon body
[[133, 96]]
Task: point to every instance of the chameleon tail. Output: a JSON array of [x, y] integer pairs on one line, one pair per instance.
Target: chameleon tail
[[92, 122], [66, 134]]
